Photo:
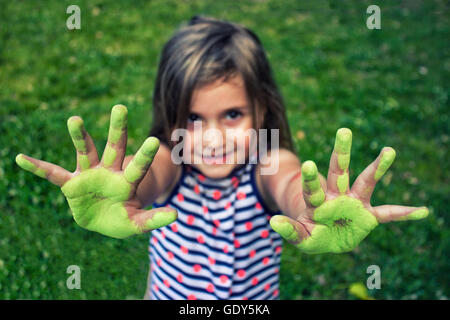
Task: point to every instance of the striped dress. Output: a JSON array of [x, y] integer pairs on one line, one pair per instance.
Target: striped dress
[[221, 246]]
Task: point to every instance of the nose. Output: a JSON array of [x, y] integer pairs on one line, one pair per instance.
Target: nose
[[213, 139]]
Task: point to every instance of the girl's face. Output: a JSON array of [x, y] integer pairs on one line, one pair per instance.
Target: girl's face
[[217, 135]]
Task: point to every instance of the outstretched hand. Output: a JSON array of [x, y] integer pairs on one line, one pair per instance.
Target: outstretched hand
[[338, 219], [101, 195]]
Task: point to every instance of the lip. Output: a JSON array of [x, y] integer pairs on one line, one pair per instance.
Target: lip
[[220, 159]]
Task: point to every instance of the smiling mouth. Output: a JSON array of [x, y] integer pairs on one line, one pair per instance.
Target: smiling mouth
[[220, 159]]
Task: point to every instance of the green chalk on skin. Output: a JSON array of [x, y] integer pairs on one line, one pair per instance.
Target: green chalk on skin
[[25, 164], [84, 161], [342, 182], [309, 170], [343, 145], [387, 158], [311, 183], [75, 126], [143, 157], [415, 215], [109, 156], [161, 219], [118, 123], [281, 225]]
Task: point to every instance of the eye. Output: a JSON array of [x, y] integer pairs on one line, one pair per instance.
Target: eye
[[193, 117], [233, 114]]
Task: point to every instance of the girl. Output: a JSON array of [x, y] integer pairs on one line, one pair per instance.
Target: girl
[[216, 216]]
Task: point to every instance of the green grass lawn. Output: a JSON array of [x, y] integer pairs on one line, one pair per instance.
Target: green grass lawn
[[389, 86]]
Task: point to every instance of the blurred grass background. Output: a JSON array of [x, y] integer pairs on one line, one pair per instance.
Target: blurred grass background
[[389, 86]]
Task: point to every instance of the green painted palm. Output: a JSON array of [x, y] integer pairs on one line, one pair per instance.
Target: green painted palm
[[101, 195], [338, 219]]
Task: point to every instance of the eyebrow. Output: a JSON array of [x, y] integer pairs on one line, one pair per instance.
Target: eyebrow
[[240, 108]]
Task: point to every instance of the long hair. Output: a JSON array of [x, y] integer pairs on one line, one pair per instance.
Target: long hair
[[206, 50]]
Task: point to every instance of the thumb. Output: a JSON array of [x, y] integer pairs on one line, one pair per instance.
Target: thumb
[[291, 230], [149, 220]]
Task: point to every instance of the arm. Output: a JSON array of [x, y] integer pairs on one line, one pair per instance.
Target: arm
[[336, 218]]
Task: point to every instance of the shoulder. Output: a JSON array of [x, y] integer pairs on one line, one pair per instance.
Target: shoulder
[[271, 169]]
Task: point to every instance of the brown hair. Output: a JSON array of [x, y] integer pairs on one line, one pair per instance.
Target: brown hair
[[203, 51]]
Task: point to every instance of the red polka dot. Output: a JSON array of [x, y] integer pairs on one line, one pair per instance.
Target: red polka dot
[[163, 234], [192, 297], [155, 240], [264, 233], [159, 262], [228, 205], [276, 270], [170, 255], [244, 298], [166, 283], [252, 253], [211, 260], [174, 227], [190, 220], [278, 249], [197, 268], [184, 249], [216, 195], [180, 197], [266, 260], [237, 244], [275, 292], [155, 287], [267, 287], [201, 239], [214, 231], [234, 179], [180, 278], [248, 226], [205, 209], [241, 195], [217, 223], [258, 206], [196, 189], [255, 281], [223, 278], [241, 273], [201, 177], [210, 287], [225, 249]]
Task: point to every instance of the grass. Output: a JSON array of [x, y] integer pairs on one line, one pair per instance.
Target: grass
[[390, 86]]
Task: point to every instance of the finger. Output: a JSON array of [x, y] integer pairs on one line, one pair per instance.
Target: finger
[[365, 183], [117, 138], [149, 220], [291, 230], [137, 168], [87, 156], [338, 180], [53, 173], [312, 190], [387, 213]]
